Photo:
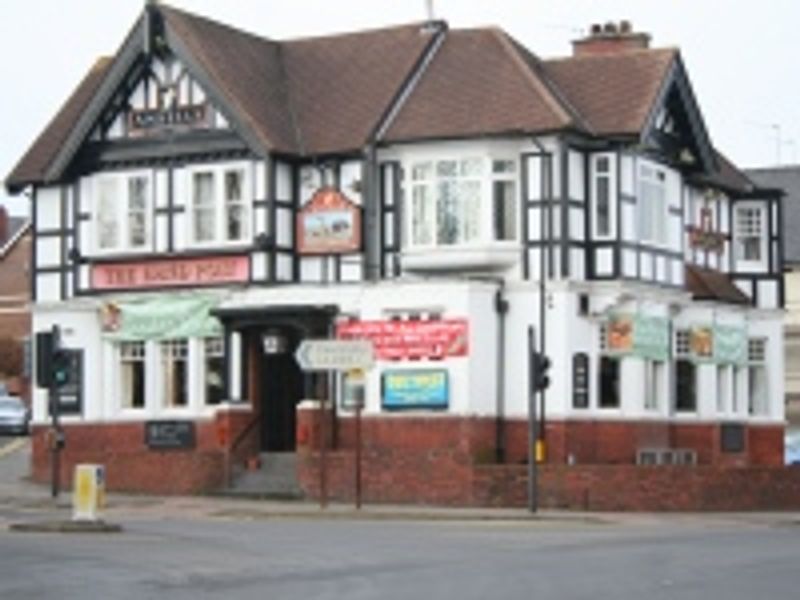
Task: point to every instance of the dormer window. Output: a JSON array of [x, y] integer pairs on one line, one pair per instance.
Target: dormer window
[[750, 238], [123, 212]]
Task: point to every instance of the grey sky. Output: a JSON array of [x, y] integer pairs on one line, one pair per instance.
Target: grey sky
[[740, 55]]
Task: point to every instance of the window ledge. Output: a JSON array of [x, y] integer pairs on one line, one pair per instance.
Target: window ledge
[[491, 256]]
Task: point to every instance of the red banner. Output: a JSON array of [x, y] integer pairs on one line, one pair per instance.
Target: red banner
[[171, 272], [407, 340]]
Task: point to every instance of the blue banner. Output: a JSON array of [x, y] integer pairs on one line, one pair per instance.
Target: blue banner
[[420, 388]]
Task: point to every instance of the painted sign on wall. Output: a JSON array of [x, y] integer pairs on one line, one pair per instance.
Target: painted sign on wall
[[410, 340], [171, 272], [723, 344], [329, 224], [420, 388]]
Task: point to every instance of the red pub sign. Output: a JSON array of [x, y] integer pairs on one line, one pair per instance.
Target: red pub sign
[[408, 340], [171, 273], [329, 224]]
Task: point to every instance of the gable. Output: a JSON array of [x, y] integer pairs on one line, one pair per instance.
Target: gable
[[675, 126], [159, 97]]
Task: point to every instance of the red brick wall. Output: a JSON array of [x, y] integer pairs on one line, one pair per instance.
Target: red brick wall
[[132, 466], [632, 488], [446, 460]]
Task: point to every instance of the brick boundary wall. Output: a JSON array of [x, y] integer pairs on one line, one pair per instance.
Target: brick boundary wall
[[449, 461], [131, 466]]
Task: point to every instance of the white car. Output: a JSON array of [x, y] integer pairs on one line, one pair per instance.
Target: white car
[[14, 416]]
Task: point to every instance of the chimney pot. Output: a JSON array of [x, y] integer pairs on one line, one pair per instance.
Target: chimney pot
[[611, 38]]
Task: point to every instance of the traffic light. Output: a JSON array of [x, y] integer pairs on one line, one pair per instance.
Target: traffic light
[[61, 367], [541, 366]]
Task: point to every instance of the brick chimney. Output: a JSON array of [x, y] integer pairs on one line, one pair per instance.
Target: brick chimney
[[611, 38], [3, 225]]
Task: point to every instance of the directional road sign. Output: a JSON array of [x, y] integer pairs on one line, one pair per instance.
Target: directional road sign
[[334, 355]]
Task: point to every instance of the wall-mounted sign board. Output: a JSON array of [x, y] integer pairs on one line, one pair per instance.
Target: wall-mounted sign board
[[409, 339], [169, 435], [329, 224], [415, 389], [176, 272]]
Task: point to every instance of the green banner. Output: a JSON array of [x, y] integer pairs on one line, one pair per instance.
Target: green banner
[[730, 344], [161, 318], [639, 335]]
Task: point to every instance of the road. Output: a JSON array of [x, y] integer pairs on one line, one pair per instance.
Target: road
[[201, 548]]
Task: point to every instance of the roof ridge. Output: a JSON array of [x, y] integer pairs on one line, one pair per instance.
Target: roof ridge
[[199, 53], [190, 15], [351, 33], [533, 80]]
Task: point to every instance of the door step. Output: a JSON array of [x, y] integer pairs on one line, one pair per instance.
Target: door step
[[275, 478]]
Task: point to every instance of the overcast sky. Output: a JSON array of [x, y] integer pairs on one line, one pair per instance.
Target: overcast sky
[[741, 56]]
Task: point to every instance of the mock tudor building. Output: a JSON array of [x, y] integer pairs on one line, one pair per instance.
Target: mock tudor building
[[208, 198]]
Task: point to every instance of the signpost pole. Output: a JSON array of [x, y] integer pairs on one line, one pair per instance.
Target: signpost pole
[[323, 454], [358, 454], [533, 501]]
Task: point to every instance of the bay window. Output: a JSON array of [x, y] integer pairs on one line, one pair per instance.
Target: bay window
[[452, 199], [219, 205], [652, 205], [122, 212]]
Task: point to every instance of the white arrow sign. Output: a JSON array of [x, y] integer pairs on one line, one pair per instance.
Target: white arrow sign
[[334, 355]]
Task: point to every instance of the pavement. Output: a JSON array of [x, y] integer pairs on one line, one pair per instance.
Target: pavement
[[22, 500]]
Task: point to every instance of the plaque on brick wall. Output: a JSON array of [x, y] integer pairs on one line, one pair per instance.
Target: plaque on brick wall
[[580, 380], [169, 435], [732, 437]]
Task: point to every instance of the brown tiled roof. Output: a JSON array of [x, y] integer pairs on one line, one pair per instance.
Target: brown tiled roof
[[34, 163], [478, 84], [727, 176], [613, 93], [340, 86], [705, 284], [247, 70]]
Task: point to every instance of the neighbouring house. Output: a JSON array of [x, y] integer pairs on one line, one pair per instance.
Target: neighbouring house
[[15, 297], [208, 199], [787, 178]]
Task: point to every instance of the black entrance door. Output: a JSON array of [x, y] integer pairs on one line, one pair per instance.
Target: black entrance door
[[281, 390]]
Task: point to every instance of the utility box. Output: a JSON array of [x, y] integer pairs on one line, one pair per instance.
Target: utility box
[[88, 492]]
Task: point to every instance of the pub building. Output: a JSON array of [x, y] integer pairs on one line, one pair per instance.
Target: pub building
[[207, 199]]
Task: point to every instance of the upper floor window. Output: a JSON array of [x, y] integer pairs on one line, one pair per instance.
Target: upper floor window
[[451, 199], [219, 205], [652, 205], [602, 196], [750, 233], [123, 212]]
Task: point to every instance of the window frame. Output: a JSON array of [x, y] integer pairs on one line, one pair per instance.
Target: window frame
[[120, 361], [655, 383], [763, 247], [162, 395], [610, 176], [757, 364], [205, 343], [658, 224], [122, 212], [220, 204]]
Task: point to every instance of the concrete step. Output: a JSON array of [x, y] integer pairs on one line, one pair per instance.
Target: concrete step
[[275, 479]]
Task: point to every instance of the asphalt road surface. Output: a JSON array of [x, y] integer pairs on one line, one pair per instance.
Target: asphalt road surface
[[310, 559], [203, 548]]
